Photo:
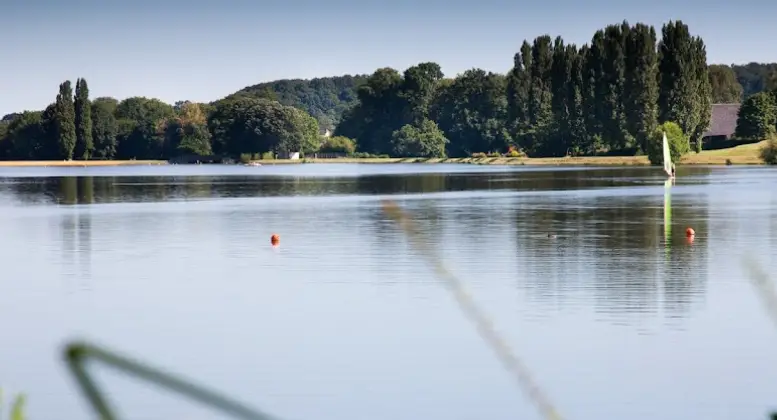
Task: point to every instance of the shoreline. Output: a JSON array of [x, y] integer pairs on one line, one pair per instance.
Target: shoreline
[[748, 154], [77, 163], [689, 160]]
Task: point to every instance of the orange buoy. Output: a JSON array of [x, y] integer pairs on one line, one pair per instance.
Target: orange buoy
[[690, 232], [275, 239]]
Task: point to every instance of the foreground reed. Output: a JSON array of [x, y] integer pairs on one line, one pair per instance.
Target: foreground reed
[[17, 407]]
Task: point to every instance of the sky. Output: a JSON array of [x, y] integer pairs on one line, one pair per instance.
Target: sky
[[201, 51]]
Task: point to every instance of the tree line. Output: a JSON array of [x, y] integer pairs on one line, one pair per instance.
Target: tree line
[[327, 98], [606, 96], [611, 95], [75, 127]]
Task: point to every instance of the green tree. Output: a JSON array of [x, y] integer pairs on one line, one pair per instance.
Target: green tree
[[5, 142], [49, 137], [65, 121], [726, 88], [561, 86], [579, 137], [141, 126], [104, 127], [678, 143], [518, 88], [187, 133], [768, 152], [640, 101], [380, 111], [684, 80], [142, 109], [310, 140], [228, 124], [426, 140], [702, 92], [614, 123], [140, 139], [338, 144], [25, 136], [540, 106], [418, 88], [472, 112], [596, 90], [184, 137], [757, 117], [245, 125], [83, 120]]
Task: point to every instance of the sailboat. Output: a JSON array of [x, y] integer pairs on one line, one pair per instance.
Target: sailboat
[[667, 158], [667, 196]]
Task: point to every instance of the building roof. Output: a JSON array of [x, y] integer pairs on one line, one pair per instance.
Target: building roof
[[723, 121]]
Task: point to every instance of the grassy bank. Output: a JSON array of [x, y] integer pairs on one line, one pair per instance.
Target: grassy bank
[[747, 154], [81, 162]]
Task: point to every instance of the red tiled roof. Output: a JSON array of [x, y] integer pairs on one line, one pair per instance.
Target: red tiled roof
[[723, 121]]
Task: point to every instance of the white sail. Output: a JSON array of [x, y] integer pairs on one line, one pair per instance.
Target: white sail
[[667, 157]]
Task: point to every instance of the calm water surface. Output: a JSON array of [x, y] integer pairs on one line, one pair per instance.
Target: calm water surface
[[616, 318]]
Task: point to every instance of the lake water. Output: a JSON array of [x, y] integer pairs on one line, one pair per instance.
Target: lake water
[[615, 318]]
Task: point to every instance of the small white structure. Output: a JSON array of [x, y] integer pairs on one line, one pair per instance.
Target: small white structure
[[294, 156], [327, 133]]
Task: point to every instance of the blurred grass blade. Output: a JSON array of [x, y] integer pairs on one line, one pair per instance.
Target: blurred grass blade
[[17, 409], [484, 326], [764, 286], [77, 354]]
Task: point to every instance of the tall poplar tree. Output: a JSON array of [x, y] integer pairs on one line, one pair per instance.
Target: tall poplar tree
[[641, 100], [518, 86], [561, 85], [65, 117], [84, 146], [540, 94], [685, 92], [597, 89], [703, 91], [580, 141], [615, 132]]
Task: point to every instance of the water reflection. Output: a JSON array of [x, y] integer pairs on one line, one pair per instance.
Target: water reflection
[[84, 226], [612, 248], [69, 246], [76, 249], [608, 246], [113, 189], [179, 269]]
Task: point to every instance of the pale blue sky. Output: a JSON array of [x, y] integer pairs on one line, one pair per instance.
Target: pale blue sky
[[179, 50]]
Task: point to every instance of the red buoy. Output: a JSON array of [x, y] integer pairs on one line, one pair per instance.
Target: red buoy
[[690, 232], [275, 239]]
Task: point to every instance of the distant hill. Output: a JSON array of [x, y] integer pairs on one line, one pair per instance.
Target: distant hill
[[325, 98], [756, 77]]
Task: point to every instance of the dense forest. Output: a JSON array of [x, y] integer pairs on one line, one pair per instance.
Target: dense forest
[[612, 95]]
